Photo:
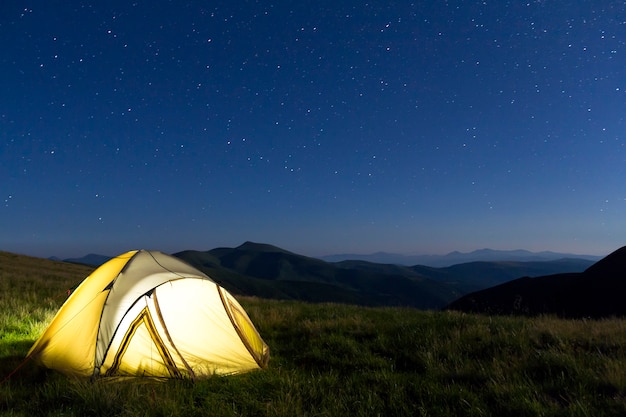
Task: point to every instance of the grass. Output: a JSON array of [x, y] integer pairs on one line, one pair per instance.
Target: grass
[[330, 359]]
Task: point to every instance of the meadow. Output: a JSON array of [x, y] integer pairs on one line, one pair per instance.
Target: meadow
[[331, 360]]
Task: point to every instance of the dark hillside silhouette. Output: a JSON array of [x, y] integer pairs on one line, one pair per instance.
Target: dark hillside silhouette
[[597, 292], [268, 271]]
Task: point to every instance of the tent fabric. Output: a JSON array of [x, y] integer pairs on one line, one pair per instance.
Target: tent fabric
[[145, 313]]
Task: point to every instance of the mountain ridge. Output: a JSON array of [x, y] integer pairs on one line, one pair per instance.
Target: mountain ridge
[[595, 292], [268, 271], [455, 257], [437, 261]]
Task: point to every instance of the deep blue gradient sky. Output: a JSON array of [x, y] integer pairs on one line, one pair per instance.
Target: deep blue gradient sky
[[320, 127]]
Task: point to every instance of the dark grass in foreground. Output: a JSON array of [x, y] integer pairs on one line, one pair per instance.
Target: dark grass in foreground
[[332, 360]]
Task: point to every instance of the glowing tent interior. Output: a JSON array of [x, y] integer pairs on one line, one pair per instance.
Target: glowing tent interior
[[145, 313]]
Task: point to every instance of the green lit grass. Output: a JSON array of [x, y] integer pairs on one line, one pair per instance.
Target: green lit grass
[[335, 360]]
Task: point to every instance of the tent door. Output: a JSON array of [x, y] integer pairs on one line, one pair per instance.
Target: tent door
[[143, 323]]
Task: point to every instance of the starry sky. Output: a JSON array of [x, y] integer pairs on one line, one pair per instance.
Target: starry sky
[[320, 127]]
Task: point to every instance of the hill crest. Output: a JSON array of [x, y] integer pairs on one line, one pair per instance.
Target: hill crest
[[456, 257], [596, 292]]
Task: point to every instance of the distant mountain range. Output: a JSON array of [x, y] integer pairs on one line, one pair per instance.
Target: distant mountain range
[[596, 292], [561, 286], [271, 272], [452, 258], [437, 261], [91, 259]]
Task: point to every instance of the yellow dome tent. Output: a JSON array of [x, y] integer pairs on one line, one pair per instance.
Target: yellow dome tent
[[145, 313]]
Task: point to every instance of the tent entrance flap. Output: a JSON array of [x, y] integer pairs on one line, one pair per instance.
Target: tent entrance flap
[[146, 323]]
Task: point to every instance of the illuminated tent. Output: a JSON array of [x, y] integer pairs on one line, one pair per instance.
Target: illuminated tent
[[145, 313]]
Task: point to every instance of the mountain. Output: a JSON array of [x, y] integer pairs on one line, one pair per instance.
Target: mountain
[[271, 272], [473, 276], [92, 259], [452, 258], [596, 292], [268, 271]]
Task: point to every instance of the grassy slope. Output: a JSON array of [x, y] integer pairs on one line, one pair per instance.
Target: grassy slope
[[31, 290], [332, 359]]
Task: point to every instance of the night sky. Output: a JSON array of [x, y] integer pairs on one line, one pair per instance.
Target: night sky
[[320, 127]]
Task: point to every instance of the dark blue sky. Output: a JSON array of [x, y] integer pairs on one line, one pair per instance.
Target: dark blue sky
[[320, 127]]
